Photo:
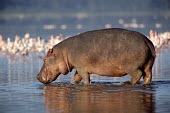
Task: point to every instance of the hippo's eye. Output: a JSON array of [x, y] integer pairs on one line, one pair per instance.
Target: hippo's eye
[[45, 60], [57, 70]]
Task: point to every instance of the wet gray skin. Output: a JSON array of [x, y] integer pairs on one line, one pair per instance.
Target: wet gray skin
[[107, 52]]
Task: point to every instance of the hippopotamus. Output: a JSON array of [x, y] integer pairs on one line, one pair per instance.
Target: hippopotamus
[[110, 52]]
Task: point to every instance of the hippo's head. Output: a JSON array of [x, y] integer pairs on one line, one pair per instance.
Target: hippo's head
[[54, 65]]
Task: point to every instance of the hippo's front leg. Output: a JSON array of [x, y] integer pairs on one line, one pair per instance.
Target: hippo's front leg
[[79, 76], [77, 79], [85, 76]]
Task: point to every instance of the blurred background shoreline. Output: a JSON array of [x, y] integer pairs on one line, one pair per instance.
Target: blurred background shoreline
[[44, 18]]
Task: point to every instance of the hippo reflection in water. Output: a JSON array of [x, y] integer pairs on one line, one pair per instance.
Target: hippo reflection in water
[[107, 52], [98, 99]]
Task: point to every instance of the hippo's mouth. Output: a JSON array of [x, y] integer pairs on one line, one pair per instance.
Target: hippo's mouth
[[49, 75], [46, 76]]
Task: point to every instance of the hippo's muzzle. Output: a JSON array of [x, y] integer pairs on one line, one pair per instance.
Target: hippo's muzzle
[[44, 79]]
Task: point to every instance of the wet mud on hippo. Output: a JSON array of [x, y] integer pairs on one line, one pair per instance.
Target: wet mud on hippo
[[107, 52]]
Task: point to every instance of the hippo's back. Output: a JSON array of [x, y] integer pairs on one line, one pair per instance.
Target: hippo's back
[[110, 41]]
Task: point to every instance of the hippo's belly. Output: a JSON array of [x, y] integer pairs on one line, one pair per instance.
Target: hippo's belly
[[108, 71]]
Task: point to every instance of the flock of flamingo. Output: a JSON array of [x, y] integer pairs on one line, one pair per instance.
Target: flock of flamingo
[[22, 46], [159, 39]]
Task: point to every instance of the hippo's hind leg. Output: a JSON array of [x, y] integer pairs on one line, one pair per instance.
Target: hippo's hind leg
[[77, 79], [135, 76], [148, 72]]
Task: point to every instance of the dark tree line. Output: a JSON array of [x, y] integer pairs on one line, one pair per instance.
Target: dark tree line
[[82, 5]]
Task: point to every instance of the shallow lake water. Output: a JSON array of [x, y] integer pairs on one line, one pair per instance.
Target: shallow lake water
[[20, 92]]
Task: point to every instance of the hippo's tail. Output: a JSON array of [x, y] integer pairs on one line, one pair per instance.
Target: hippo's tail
[[151, 47]]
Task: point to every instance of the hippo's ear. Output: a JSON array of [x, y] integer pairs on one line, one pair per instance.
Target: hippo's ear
[[50, 52]]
